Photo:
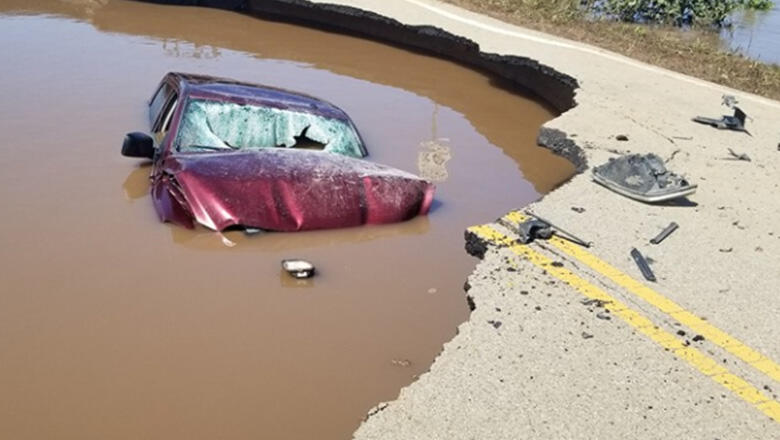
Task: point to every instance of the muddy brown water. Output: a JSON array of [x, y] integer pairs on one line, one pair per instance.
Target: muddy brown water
[[113, 325]]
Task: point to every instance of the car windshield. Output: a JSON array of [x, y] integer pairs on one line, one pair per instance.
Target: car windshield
[[217, 125]]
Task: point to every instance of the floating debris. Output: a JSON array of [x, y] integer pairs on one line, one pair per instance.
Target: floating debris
[[404, 363], [298, 268]]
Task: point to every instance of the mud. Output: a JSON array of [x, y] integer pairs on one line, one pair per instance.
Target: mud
[[113, 325]]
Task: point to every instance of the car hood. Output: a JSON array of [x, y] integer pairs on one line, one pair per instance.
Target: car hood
[[292, 190]]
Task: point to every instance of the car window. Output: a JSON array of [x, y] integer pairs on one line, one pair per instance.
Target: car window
[[170, 109], [159, 99], [215, 125]]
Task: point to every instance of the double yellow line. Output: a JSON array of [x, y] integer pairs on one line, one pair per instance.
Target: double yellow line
[[707, 366]]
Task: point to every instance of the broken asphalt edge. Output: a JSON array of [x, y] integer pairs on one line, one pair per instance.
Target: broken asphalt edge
[[551, 86], [445, 403]]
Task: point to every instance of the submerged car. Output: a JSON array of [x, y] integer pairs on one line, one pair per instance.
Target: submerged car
[[232, 154]]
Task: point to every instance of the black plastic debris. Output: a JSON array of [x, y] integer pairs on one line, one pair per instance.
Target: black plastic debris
[[298, 268], [726, 122], [566, 235], [643, 266], [665, 233], [738, 156], [528, 230], [644, 178]]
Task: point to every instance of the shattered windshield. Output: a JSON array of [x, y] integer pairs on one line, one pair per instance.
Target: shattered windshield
[[215, 125]]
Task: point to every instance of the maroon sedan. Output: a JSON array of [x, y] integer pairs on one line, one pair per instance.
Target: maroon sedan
[[231, 154]]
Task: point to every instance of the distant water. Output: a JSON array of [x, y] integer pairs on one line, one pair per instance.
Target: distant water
[[756, 34]]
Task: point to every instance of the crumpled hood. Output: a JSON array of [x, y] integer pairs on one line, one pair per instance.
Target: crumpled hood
[[293, 190]]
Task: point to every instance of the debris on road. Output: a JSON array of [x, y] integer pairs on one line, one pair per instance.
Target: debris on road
[[642, 264], [594, 302], [644, 178], [528, 230], [735, 156], [665, 233], [726, 122], [621, 138], [495, 324], [566, 235], [299, 269], [577, 209]]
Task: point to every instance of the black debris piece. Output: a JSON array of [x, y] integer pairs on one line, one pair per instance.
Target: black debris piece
[[566, 235], [665, 233], [642, 264], [741, 156], [726, 122]]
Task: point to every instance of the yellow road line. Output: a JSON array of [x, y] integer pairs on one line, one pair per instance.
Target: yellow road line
[[740, 387], [665, 305]]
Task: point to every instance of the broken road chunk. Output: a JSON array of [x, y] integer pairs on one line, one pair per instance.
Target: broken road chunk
[[643, 178]]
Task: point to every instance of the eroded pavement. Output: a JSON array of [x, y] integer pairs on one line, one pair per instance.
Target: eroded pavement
[[572, 343]]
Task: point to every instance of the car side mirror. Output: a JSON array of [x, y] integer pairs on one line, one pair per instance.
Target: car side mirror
[[138, 145]]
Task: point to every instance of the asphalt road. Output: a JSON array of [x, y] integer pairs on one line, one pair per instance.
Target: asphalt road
[[567, 342]]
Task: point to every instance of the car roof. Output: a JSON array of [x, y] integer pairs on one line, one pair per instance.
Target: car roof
[[211, 87]]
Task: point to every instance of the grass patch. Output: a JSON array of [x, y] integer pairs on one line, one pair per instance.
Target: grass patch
[[696, 52]]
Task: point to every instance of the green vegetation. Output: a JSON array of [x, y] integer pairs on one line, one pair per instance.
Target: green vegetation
[[678, 12], [696, 50]]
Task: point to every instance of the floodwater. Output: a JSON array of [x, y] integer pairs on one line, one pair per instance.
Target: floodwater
[[756, 34], [115, 326]]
